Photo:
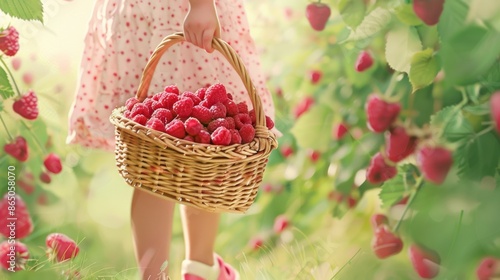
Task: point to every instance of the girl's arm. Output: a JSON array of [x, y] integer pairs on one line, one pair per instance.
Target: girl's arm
[[201, 24]]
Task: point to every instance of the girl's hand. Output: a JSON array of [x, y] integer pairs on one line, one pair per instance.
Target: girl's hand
[[201, 24]]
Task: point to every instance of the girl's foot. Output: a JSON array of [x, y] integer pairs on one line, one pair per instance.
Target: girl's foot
[[193, 270]]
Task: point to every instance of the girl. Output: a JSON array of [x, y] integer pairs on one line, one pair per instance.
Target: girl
[[122, 34]]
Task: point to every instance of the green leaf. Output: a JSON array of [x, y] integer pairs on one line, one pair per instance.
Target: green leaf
[[395, 189], [479, 157], [452, 123], [429, 35], [26, 9], [352, 12], [469, 55], [402, 43], [309, 130], [424, 68], [423, 105], [482, 109], [372, 24], [407, 16], [453, 18], [6, 90]]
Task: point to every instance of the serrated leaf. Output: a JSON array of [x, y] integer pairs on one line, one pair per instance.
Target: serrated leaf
[[478, 157], [394, 189], [479, 110], [372, 24], [451, 121], [402, 43], [26, 9], [309, 130], [6, 90], [424, 68], [407, 16], [352, 12]]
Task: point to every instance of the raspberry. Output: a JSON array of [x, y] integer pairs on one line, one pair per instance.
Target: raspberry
[[399, 144], [488, 268], [385, 243], [379, 171], [193, 126], [20, 256], [495, 109], [27, 106], [213, 125], [172, 89], [280, 223], [218, 111], [140, 119], [235, 136], [130, 103], [149, 104], [231, 108], [378, 220], [269, 122], [303, 106], [140, 109], [176, 129], [189, 138], [252, 116], [164, 115], [202, 137], [315, 76], [242, 119], [221, 136], [424, 261], [23, 222], [156, 105], [183, 107], [202, 114], [434, 163], [201, 93], [230, 123], [339, 131], [45, 177], [381, 114], [364, 61], [230, 96], [156, 124], [61, 247], [242, 108], [18, 149], [158, 96], [9, 41], [126, 114], [168, 100], [215, 93], [194, 97], [53, 163], [247, 132]]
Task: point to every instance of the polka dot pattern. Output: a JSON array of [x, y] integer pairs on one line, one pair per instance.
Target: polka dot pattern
[[122, 35]]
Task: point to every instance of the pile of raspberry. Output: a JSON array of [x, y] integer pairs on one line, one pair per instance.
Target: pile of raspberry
[[207, 116]]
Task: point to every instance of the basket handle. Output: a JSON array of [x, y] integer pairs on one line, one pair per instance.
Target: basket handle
[[219, 45]]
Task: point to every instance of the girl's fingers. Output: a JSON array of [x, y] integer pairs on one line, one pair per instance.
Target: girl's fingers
[[207, 40]]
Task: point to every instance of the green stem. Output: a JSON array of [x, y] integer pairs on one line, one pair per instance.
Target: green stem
[[457, 232], [11, 76], [392, 85], [484, 131], [419, 183], [6, 130], [42, 148], [348, 262]]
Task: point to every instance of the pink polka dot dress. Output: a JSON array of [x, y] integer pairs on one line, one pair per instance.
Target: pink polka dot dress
[[122, 35]]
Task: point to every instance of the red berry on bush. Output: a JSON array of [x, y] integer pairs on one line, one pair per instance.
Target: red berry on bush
[[339, 131], [315, 76], [17, 149], [495, 109], [385, 243], [23, 224], [60, 247], [9, 41], [53, 163], [379, 171], [317, 14], [364, 61], [303, 106], [399, 144], [380, 113], [378, 220], [424, 261], [45, 177], [27, 106], [281, 223], [434, 163], [314, 155], [20, 257], [429, 11], [286, 151], [488, 269]]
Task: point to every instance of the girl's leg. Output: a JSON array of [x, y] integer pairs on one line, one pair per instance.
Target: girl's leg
[[200, 230], [152, 231]]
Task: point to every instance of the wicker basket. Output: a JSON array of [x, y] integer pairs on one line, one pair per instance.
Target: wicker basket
[[209, 177]]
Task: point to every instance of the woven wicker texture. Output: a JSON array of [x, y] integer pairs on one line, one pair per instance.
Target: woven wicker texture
[[209, 177]]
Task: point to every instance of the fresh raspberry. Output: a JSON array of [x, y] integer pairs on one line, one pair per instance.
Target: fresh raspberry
[[398, 144], [140, 119], [131, 102], [428, 11], [202, 114], [229, 96], [149, 104], [364, 61], [168, 100], [213, 125], [256, 243], [164, 115], [60, 247], [9, 41], [21, 255], [313, 155], [379, 171], [385, 243], [156, 105], [230, 123], [156, 124], [183, 107], [140, 109], [189, 138], [202, 137], [53, 163], [269, 122], [172, 89], [281, 223], [193, 126], [18, 149], [126, 114], [488, 268], [253, 117], [381, 114], [201, 93], [339, 131], [27, 106], [235, 136], [231, 108], [45, 177], [434, 163], [378, 220], [495, 109], [303, 106], [204, 103], [176, 129], [315, 76], [247, 132], [424, 261], [242, 108], [194, 97], [242, 119], [221, 136], [215, 93], [286, 151], [158, 96], [24, 224], [218, 110]]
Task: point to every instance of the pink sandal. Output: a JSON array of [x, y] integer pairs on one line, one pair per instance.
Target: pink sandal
[[193, 270]]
